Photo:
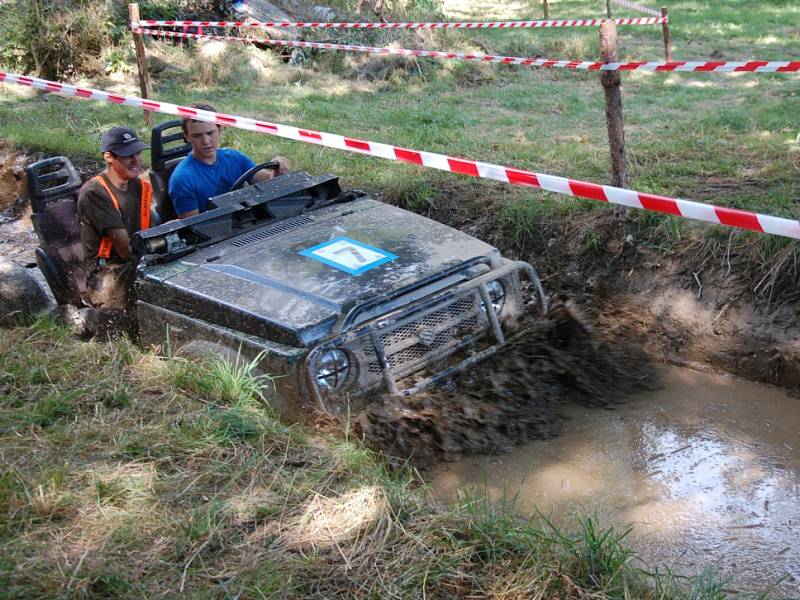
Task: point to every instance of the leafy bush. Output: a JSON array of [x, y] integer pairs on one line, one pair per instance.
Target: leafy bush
[[53, 39], [58, 39]]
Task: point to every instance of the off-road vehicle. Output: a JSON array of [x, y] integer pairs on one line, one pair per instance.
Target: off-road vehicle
[[338, 294]]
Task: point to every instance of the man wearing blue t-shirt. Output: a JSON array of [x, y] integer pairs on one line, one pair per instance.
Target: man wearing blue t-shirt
[[209, 170]]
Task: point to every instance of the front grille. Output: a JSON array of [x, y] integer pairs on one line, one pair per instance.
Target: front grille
[[452, 313], [423, 338]]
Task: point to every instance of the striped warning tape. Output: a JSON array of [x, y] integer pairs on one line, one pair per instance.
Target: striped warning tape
[[753, 66], [636, 6], [478, 25], [559, 185]]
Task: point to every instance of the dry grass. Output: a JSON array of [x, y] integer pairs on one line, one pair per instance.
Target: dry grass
[[767, 268], [331, 522]]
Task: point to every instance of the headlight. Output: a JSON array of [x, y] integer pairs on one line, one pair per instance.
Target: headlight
[[332, 369], [155, 245], [497, 295]]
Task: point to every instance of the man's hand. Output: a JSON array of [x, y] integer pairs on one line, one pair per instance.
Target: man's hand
[[284, 166]]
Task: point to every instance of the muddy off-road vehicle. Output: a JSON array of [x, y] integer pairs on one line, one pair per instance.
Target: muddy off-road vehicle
[[340, 295]]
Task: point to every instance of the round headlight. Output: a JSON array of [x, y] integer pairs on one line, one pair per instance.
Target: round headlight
[[497, 294], [332, 369]]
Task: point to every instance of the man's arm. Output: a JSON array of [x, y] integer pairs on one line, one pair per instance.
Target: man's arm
[[121, 242], [188, 213]]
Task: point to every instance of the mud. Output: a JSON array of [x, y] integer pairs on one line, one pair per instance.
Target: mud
[[707, 469], [17, 238], [514, 397], [714, 299]]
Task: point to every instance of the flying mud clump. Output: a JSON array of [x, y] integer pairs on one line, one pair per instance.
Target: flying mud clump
[[513, 397]]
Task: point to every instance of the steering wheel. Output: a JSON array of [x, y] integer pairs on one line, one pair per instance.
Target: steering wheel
[[247, 176]]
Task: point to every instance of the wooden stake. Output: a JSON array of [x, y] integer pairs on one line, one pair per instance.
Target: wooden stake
[[544, 5], [612, 88], [665, 31], [141, 59], [608, 8]]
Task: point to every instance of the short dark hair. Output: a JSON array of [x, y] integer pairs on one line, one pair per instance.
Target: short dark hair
[[200, 106]]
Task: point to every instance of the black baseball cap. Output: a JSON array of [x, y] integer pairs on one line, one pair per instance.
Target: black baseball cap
[[122, 141]]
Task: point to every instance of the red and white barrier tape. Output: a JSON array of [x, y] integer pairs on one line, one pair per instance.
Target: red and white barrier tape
[[559, 185], [753, 66], [636, 6], [478, 25]]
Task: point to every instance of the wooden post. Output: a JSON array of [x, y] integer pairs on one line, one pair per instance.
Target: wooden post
[[544, 5], [608, 8], [612, 87], [665, 30], [141, 59]]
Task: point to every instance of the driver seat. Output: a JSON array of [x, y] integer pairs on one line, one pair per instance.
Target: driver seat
[[167, 148]]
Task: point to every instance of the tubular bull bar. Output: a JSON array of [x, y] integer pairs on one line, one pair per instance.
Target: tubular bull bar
[[373, 329]]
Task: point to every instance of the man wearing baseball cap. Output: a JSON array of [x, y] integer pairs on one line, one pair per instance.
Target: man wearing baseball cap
[[112, 207]]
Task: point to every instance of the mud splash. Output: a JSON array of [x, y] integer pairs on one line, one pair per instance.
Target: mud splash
[[514, 397]]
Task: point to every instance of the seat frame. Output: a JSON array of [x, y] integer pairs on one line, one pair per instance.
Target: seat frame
[[168, 147], [53, 186]]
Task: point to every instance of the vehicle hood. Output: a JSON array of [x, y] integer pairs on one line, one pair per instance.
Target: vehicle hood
[[271, 281]]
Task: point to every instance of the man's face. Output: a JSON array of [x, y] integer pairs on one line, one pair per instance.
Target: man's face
[[125, 167], [204, 138]]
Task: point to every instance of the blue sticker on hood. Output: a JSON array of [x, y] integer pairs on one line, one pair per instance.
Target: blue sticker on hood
[[348, 255]]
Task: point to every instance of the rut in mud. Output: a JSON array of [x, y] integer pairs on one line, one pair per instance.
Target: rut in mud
[[513, 397]]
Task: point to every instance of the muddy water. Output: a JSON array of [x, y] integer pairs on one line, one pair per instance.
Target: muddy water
[[707, 469]]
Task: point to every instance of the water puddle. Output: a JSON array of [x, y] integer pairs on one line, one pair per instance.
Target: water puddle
[[707, 470]]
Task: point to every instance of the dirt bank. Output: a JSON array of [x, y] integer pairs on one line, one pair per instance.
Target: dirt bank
[[12, 176], [17, 239], [712, 299]]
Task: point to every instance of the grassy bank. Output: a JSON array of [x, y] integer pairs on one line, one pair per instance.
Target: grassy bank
[[729, 139], [127, 474]]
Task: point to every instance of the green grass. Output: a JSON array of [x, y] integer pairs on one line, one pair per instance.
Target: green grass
[[179, 491]]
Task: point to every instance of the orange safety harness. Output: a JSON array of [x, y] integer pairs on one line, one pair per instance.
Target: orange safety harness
[[104, 251]]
